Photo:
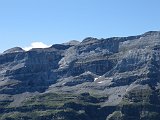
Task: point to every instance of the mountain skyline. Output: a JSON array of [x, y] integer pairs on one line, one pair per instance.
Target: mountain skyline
[[115, 78], [52, 22], [43, 45]]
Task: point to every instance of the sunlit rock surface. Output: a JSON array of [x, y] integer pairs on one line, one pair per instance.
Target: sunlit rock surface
[[115, 79]]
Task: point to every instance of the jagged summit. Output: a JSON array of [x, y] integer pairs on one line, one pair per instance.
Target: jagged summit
[[13, 50], [152, 33], [72, 42], [87, 39], [119, 74]]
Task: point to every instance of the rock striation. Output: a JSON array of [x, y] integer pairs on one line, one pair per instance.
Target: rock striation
[[125, 69]]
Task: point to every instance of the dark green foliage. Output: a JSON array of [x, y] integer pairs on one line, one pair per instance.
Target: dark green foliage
[[58, 106]]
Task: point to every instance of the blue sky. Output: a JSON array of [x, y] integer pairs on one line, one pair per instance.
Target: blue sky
[[23, 22]]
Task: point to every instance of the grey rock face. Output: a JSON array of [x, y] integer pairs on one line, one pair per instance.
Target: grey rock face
[[116, 66], [12, 50], [125, 60]]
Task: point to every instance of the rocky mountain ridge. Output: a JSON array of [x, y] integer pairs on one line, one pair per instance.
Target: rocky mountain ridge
[[123, 70]]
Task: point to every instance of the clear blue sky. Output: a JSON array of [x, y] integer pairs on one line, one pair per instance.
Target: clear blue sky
[[56, 21]]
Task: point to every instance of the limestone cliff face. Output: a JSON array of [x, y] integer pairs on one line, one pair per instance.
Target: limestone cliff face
[[123, 68]]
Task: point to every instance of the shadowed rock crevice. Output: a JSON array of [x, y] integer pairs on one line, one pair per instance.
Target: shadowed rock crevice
[[121, 76]]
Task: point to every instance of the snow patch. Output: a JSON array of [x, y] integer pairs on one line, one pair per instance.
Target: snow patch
[[101, 82], [64, 83], [95, 79]]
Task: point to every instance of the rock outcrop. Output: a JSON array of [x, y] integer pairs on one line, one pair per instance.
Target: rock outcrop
[[125, 69]]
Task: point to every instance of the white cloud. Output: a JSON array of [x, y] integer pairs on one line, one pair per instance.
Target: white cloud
[[36, 45]]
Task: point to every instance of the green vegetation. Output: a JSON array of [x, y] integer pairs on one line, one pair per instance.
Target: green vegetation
[[55, 106]]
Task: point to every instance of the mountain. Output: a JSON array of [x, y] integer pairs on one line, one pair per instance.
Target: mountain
[[116, 78]]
